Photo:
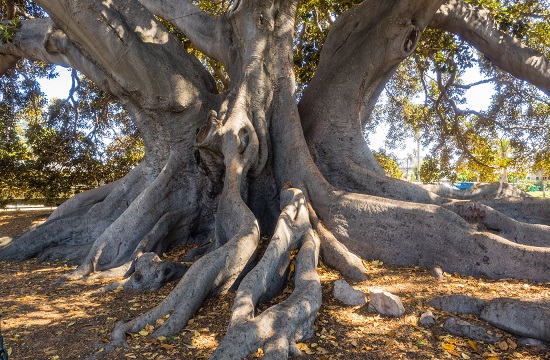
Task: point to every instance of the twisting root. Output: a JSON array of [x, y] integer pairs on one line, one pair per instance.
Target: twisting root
[[278, 328], [237, 234], [268, 277]]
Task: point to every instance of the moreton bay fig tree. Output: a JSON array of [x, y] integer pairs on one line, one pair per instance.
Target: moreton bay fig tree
[[257, 163]]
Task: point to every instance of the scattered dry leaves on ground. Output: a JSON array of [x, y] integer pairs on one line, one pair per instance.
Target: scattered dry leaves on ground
[[42, 319]]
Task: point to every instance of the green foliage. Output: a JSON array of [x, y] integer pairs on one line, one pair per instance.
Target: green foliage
[[52, 150], [8, 30], [314, 19], [389, 163], [429, 170], [426, 97]]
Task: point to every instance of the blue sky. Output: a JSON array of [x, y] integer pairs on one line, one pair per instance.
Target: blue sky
[[478, 98]]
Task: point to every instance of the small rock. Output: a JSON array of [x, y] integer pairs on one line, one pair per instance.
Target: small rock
[[463, 328], [526, 318], [347, 294], [437, 272], [460, 304], [385, 303], [533, 342], [427, 319]]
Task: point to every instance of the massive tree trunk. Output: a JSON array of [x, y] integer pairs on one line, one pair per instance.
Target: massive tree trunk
[[217, 165]]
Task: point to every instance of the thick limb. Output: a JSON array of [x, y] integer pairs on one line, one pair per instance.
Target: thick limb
[[349, 79], [205, 31], [476, 26]]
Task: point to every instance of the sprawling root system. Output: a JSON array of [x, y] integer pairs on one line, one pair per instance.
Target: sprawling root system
[[216, 164]]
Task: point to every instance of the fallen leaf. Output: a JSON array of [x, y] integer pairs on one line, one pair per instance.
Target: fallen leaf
[[259, 353], [465, 356], [303, 347], [321, 350], [390, 342], [448, 347], [143, 332], [473, 345], [503, 345], [166, 346], [412, 320], [512, 344]]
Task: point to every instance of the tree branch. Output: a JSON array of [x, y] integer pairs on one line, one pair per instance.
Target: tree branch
[[476, 26], [39, 40], [126, 42], [205, 31]]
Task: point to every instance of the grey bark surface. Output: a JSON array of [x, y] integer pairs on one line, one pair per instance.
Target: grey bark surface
[[476, 26], [216, 164]]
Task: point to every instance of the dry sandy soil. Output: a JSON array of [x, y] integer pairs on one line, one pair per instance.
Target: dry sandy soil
[[42, 319]]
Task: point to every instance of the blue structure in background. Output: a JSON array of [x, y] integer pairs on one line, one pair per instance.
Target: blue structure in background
[[465, 185]]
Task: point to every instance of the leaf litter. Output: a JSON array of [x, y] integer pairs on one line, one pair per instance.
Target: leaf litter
[[45, 320]]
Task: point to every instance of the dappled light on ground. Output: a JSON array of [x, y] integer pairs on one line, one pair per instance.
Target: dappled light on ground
[[42, 319]]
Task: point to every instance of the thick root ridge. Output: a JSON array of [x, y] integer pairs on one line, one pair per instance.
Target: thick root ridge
[[488, 191], [487, 218], [77, 223], [148, 273], [278, 328], [335, 254], [268, 277], [425, 235], [145, 224], [527, 210], [236, 239]]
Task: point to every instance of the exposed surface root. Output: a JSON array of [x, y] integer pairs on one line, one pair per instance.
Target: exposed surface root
[[528, 210], [488, 191], [236, 237], [489, 219], [79, 221], [278, 328], [268, 277], [425, 235], [359, 179], [335, 254], [205, 276]]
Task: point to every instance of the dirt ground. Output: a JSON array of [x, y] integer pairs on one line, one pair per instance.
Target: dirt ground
[[42, 319]]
